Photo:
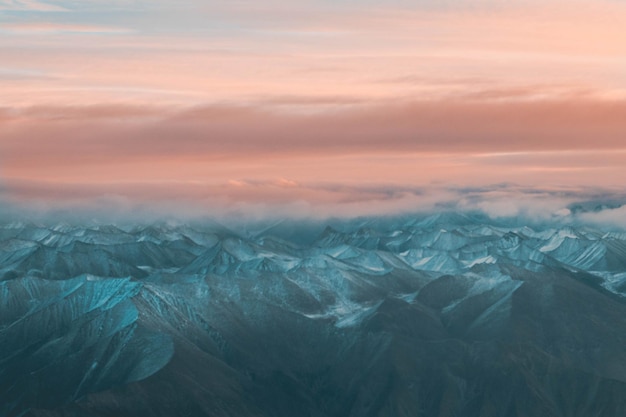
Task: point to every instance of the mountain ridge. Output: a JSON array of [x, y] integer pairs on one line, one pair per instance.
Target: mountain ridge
[[436, 316]]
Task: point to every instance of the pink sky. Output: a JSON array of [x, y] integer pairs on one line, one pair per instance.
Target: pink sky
[[313, 104]]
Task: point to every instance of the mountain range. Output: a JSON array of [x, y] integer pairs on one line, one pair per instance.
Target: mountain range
[[441, 315]]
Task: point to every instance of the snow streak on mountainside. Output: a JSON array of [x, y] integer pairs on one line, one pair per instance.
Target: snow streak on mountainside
[[437, 315]]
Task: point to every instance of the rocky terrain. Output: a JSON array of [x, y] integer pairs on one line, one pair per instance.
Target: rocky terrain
[[434, 316]]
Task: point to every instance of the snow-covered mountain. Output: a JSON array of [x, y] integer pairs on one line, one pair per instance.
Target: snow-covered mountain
[[440, 315]]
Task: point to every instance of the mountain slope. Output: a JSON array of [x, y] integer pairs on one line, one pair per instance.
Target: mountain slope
[[435, 316]]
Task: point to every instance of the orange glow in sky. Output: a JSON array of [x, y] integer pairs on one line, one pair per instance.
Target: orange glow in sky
[[315, 103]]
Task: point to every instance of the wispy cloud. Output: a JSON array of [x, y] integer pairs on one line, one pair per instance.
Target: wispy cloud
[[253, 199], [16, 74], [414, 144], [259, 106], [48, 28], [486, 128], [30, 6]]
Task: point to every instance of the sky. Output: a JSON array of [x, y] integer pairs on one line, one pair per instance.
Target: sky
[[311, 108]]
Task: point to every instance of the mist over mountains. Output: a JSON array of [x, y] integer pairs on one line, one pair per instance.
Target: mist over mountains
[[437, 315]]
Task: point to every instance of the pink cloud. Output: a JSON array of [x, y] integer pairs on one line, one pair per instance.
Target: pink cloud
[[121, 134], [282, 99], [247, 156]]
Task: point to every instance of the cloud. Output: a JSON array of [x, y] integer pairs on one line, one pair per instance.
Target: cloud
[[428, 126], [240, 106], [21, 74], [30, 6], [165, 152], [606, 217], [252, 199], [53, 28]]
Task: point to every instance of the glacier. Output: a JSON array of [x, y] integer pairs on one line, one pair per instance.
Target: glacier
[[423, 315]]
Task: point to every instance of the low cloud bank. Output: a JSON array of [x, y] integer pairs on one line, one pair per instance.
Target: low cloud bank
[[283, 199]]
